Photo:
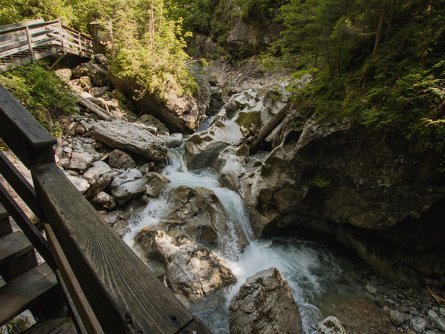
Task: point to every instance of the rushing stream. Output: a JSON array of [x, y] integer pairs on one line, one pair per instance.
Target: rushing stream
[[308, 267]]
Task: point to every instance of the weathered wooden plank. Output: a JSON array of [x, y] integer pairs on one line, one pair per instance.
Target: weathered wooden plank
[[3, 213], [22, 61], [22, 133], [53, 326], [21, 25], [80, 305], [122, 291], [25, 289], [28, 228], [13, 246], [20, 184]]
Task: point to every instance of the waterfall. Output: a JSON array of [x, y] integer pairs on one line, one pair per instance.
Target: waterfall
[[299, 262]]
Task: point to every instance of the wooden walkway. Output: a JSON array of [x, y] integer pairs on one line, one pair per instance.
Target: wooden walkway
[[28, 41], [105, 286]]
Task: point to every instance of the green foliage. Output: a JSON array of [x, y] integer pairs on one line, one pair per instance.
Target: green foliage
[[44, 95], [378, 62], [320, 182], [149, 48]]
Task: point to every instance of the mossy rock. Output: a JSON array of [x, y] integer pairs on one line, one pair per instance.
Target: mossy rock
[[249, 122]]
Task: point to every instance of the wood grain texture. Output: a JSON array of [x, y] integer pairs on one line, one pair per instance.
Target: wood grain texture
[[81, 309], [28, 228], [122, 291], [22, 133], [20, 184], [16, 296], [14, 245]]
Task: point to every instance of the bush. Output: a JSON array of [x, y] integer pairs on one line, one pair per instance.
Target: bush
[[43, 94]]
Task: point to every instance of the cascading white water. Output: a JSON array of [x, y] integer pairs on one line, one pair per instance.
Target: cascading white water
[[298, 261]]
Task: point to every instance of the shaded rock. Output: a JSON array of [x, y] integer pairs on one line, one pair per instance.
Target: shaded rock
[[127, 176], [102, 60], [98, 76], [180, 113], [264, 304], [120, 159], [80, 183], [192, 271], [100, 184], [440, 323], [398, 318], [199, 214], [153, 121], [156, 184], [81, 160], [104, 200], [132, 137], [331, 325], [64, 74], [174, 140], [129, 190], [418, 324], [91, 175], [101, 167]]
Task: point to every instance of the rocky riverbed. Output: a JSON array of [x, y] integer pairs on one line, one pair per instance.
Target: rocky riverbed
[[193, 207]]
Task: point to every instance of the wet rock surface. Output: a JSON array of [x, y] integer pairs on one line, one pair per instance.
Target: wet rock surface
[[264, 304]]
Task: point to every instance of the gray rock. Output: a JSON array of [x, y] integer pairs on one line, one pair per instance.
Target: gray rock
[[153, 121], [127, 176], [120, 159], [121, 227], [174, 140], [91, 175], [440, 323], [64, 74], [98, 76], [104, 200], [132, 137], [129, 190], [101, 167], [192, 271], [264, 304], [442, 311], [156, 184], [432, 314], [100, 184], [81, 160], [331, 325], [101, 60], [397, 318], [80, 183], [418, 324], [64, 163], [430, 332]]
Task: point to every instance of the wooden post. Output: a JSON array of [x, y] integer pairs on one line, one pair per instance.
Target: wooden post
[[79, 36], [28, 37], [62, 39]]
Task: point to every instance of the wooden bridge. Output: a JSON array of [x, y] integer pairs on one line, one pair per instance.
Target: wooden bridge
[[25, 42], [87, 268]]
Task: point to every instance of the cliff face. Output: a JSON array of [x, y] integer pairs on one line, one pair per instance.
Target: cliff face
[[376, 194]]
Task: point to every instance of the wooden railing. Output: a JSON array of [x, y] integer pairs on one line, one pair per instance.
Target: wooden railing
[[33, 40], [108, 288]]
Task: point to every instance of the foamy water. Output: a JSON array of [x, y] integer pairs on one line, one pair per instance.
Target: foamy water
[[299, 262]]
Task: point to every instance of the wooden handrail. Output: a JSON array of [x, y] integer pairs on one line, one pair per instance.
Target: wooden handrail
[[119, 288], [33, 40]]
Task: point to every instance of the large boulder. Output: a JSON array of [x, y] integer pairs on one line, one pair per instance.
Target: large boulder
[[179, 112], [132, 137], [199, 214], [379, 195], [192, 270], [264, 304], [98, 76]]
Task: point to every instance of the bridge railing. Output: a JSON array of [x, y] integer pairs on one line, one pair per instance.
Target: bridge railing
[[33, 40], [108, 288]]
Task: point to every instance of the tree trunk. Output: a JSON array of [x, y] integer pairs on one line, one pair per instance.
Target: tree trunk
[[378, 33]]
